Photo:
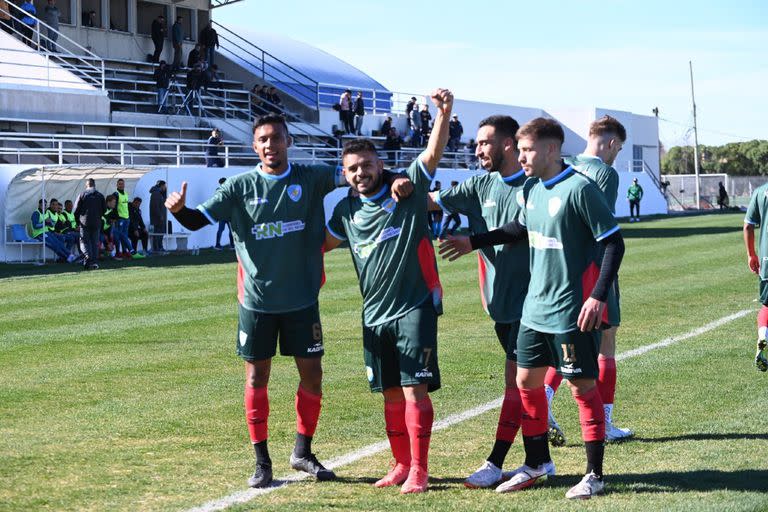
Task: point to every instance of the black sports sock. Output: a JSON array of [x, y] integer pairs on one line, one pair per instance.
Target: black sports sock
[[595, 454], [499, 452], [536, 450], [303, 447], [262, 453]]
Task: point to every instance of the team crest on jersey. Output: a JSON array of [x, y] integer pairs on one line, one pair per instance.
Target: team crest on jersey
[[554, 206], [294, 192], [520, 199], [389, 205], [243, 338]]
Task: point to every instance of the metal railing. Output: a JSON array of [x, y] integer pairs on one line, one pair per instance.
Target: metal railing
[[87, 62], [642, 166], [377, 101]]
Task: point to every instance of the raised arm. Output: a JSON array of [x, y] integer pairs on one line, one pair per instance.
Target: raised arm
[[187, 217], [443, 101]]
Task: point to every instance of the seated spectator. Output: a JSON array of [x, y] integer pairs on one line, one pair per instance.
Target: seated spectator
[[43, 224], [109, 220], [136, 228], [385, 126], [194, 56], [212, 158], [63, 225], [195, 77], [393, 144], [89, 19], [276, 103], [162, 81]]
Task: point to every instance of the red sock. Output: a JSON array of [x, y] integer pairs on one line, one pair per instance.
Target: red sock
[[762, 319], [534, 417], [509, 419], [606, 382], [307, 412], [418, 419], [397, 432], [552, 379], [256, 412], [591, 415]]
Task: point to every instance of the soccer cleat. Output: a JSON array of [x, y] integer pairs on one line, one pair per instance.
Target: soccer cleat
[[589, 486], [416, 482], [555, 433], [217, 248], [614, 433], [312, 466], [262, 477], [396, 476], [93, 266], [524, 477], [137, 256], [549, 467], [486, 476], [761, 358]]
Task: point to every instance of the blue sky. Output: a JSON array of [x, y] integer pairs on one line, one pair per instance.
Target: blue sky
[[621, 55]]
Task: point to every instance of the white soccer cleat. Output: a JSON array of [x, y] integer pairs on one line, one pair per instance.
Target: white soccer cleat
[[524, 477], [486, 476], [613, 433], [549, 467], [589, 486]]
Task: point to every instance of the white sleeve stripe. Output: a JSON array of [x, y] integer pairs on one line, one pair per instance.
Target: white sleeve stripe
[[749, 221], [607, 233], [424, 169], [207, 215], [335, 235]]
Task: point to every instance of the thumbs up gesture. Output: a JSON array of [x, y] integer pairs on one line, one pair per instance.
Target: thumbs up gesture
[[177, 200]]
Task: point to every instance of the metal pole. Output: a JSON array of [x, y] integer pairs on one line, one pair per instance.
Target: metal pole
[[226, 156], [61, 152], [695, 143], [178, 155]]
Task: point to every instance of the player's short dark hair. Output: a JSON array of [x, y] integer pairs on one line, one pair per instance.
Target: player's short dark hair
[[356, 146], [90, 182], [222, 180], [270, 119], [136, 199], [542, 128], [608, 125], [69, 201], [503, 126]]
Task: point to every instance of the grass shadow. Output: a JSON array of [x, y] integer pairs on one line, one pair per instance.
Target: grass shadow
[[704, 480], [702, 437]]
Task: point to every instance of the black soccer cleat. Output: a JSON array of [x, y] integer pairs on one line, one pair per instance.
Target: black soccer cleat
[[312, 466], [761, 358], [262, 477]]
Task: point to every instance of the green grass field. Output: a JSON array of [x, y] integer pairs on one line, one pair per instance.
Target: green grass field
[[120, 390]]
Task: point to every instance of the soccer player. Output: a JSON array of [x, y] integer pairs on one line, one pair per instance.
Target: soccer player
[[276, 214], [392, 251], [606, 138], [490, 201], [567, 221], [756, 212]]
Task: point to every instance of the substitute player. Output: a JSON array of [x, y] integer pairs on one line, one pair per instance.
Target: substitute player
[[606, 138], [392, 251], [489, 201], [276, 215], [566, 219], [756, 212]]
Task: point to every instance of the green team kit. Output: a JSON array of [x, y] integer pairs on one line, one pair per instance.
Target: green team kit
[[490, 201], [756, 212], [392, 252], [278, 226], [566, 218]]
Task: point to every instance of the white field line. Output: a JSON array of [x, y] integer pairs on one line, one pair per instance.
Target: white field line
[[372, 449]]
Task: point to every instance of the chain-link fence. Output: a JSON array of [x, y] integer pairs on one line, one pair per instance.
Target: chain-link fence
[[681, 189]]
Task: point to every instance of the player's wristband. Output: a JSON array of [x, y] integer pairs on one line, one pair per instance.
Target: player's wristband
[[508, 233], [191, 219], [609, 269]]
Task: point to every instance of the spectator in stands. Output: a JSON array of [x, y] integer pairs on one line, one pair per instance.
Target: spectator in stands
[[120, 230], [177, 38], [634, 196], [90, 206], [52, 16], [209, 40], [410, 106], [393, 144], [162, 80], [136, 228], [471, 156], [69, 215], [359, 113], [194, 56], [224, 224], [257, 104], [5, 17], [436, 216], [158, 215], [414, 121], [426, 118], [276, 103], [452, 221], [455, 131], [42, 229], [722, 196], [212, 158], [211, 77], [158, 32], [386, 126], [195, 79], [346, 112], [28, 22], [89, 19]]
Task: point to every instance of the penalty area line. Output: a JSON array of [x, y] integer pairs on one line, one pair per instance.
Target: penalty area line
[[453, 419]]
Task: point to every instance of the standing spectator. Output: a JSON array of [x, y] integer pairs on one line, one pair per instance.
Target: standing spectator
[[123, 222], [158, 31], [276, 104], [177, 38], [410, 106], [89, 19], [386, 126], [393, 145], [42, 229], [452, 221], [414, 121], [436, 216], [162, 80], [209, 40], [90, 206], [426, 118], [359, 112], [455, 131], [634, 195], [346, 112], [28, 22], [212, 158], [471, 156], [158, 215], [722, 196], [5, 17], [137, 230], [193, 57], [51, 17], [222, 225]]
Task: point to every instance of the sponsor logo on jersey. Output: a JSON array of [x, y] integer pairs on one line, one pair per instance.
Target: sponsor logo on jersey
[[294, 192], [529, 205], [369, 373], [257, 201], [364, 249], [570, 370], [389, 205], [539, 241], [276, 229], [520, 198], [554, 206], [243, 338], [489, 203], [424, 373], [317, 347]]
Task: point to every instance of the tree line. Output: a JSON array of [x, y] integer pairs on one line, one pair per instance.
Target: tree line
[[735, 159]]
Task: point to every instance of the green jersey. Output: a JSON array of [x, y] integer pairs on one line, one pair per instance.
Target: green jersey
[[391, 249], [635, 192], [489, 201], [756, 212], [277, 226], [566, 216], [604, 175]]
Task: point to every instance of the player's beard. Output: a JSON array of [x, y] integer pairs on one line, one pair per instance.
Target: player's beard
[[274, 164], [372, 187], [495, 161]]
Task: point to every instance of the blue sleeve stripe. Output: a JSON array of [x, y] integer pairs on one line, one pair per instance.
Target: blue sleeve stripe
[[207, 215], [747, 220], [607, 233], [424, 169], [335, 235]]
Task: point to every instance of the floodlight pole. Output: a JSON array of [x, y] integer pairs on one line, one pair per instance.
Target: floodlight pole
[[695, 144]]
